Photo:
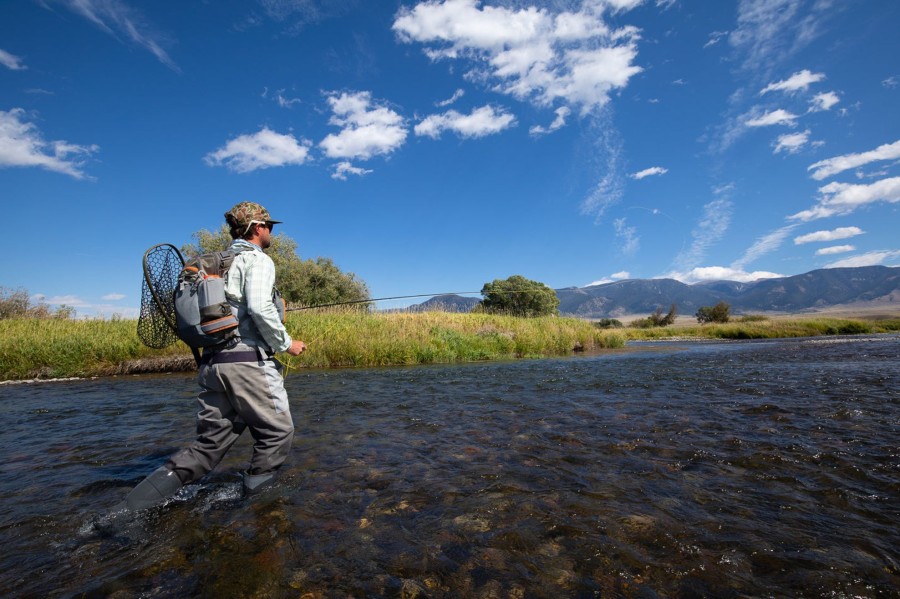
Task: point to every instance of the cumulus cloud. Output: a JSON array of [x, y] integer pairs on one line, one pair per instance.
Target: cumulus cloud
[[796, 82], [120, 20], [482, 121], [868, 259], [721, 273], [535, 54], [562, 113], [774, 117], [21, 144], [618, 276], [835, 249], [844, 198], [342, 169], [833, 235], [823, 101], [11, 61], [792, 142], [648, 172], [367, 129], [263, 149], [832, 166]]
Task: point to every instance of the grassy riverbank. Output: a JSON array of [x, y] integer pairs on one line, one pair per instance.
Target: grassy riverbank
[[55, 348], [51, 348]]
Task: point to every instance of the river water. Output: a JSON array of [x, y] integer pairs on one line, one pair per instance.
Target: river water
[[743, 469]]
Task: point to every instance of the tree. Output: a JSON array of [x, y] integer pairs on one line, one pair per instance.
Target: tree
[[717, 313], [520, 297], [301, 282], [16, 303]]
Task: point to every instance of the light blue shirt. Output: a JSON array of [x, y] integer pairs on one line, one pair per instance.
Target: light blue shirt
[[249, 284]]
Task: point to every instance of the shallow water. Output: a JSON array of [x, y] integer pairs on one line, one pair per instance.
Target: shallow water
[[666, 469]]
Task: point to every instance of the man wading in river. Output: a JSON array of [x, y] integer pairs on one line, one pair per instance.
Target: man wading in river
[[241, 383]]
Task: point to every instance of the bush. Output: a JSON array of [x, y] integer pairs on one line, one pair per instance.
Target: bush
[[656, 319], [608, 323], [717, 313]]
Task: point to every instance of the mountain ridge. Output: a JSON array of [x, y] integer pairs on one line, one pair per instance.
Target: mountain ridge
[[814, 290]]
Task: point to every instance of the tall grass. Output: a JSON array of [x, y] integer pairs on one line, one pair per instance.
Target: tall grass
[[50, 348], [774, 328]]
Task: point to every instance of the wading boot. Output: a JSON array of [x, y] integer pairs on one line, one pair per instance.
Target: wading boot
[[254, 483], [161, 483]]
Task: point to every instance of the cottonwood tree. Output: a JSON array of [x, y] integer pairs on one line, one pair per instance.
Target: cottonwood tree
[[519, 296], [301, 282]]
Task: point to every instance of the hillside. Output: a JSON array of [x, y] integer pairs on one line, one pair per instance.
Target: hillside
[[815, 290]]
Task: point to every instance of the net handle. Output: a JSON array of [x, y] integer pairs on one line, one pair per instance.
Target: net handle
[[148, 278]]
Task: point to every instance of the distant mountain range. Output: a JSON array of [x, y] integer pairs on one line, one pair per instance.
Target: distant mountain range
[[814, 290]]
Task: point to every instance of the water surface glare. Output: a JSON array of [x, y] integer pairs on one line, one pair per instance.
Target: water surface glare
[[663, 470]]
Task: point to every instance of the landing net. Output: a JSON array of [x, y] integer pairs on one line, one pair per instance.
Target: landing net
[[156, 323]]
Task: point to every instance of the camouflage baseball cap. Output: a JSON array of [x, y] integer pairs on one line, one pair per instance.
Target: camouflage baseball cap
[[246, 213]]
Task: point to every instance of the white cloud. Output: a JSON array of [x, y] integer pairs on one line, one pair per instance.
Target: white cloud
[[482, 121], [714, 38], [823, 101], [121, 20], [775, 117], [792, 142], [21, 144], [838, 164], [263, 149], [618, 276], [764, 245], [891, 81], [367, 129], [562, 113], [769, 31], [535, 54], [721, 273], [835, 249], [11, 61], [833, 235], [647, 172], [284, 101], [456, 96], [844, 198], [796, 82], [608, 150], [867, 259], [113, 297], [629, 241], [342, 169]]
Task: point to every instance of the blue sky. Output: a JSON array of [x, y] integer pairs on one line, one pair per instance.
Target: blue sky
[[435, 146]]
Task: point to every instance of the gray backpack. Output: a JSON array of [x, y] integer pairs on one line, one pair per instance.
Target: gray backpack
[[203, 316]]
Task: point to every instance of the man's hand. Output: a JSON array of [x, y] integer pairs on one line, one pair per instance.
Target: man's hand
[[297, 347]]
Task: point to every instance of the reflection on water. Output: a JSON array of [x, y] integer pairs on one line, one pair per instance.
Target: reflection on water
[[731, 470]]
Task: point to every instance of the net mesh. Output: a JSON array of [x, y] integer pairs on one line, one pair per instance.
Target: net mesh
[[156, 323]]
